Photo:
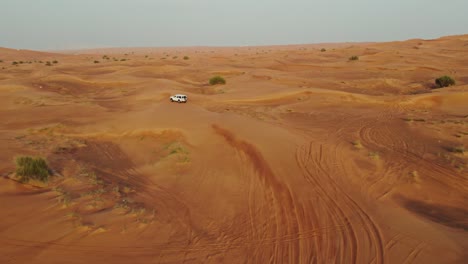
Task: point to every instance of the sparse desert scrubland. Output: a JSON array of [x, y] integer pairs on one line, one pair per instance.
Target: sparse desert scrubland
[[302, 156]]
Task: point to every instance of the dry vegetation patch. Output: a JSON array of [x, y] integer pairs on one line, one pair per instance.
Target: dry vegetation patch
[[32, 168]]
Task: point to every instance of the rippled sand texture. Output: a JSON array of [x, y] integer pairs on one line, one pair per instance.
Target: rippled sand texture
[[303, 156]]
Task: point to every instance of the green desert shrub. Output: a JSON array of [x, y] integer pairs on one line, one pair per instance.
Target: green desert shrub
[[14, 63], [457, 149], [28, 168], [357, 144], [374, 155], [444, 81], [96, 61], [217, 80], [323, 50], [55, 62], [48, 63], [353, 58], [186, 57]]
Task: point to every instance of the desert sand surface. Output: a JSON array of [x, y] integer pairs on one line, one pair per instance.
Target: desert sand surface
[[303, 156]]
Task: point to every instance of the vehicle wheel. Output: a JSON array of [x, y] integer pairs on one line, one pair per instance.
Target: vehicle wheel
[[172, 100]]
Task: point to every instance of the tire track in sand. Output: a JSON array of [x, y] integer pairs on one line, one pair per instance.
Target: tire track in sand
[[414, 253], [402, 151], [370, 227], [319, 172], [333, 212], [284, 205]]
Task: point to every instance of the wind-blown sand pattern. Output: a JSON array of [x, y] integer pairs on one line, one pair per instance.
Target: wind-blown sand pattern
[[302, 157]]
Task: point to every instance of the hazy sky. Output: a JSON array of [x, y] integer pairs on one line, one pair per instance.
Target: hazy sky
[[67, 24]]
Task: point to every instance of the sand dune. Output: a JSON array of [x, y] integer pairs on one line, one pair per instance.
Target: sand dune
[[303, 156]]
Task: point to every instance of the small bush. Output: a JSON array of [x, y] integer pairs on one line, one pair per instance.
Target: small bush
[[410, 119], [186, 57], [1, 61], [96, 61], [123, 59], [28, 168], [357, 144], [353, 58], [14, 63], [323, 50], [374, 155], [444, 81], [55, 62], [457, 149], [48, 63], [217, 80]]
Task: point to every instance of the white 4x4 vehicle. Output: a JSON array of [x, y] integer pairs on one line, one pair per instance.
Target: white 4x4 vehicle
[[180, 98]]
